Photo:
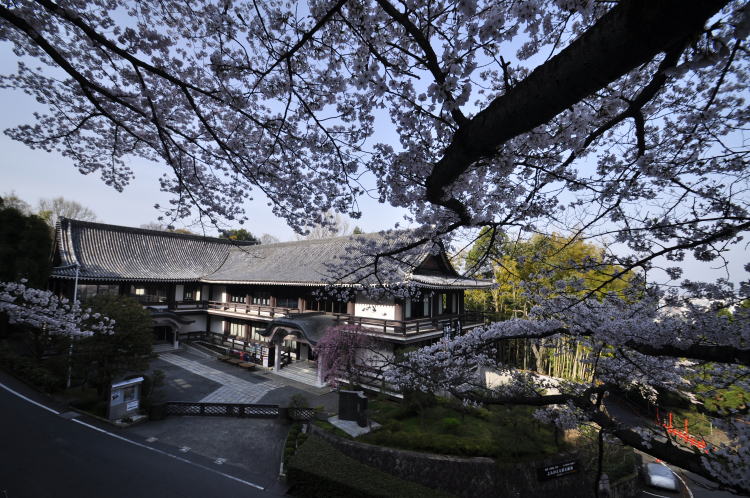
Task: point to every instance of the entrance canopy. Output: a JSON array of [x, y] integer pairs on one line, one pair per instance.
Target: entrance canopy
[[309, 326]]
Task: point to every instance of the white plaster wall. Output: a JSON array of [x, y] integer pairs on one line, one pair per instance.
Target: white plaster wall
[[376, 354], [217, 326], [179, 292], [220, 293], [370, 308]]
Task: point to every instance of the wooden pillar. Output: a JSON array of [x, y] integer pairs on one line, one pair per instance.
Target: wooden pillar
[[171, 291], [301, 302], [350, 308], [272, 301], [398, 309], [277, 342]]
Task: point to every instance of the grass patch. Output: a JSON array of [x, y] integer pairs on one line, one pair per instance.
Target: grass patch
[[324, 424], [619, 460], [503, 433], [318, 470]]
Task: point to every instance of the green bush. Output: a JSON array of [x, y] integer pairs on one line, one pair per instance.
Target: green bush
[[451, 425], [31, 371], [318, 470], [298, 401]]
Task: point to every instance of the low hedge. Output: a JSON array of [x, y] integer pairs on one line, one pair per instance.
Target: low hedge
[[29, 370], [318, 470]]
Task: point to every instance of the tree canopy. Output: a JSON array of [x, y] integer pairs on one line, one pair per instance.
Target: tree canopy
[[25, 245], [104, 357], [540, 266], [621, 119], [240, 235], [51, 210]]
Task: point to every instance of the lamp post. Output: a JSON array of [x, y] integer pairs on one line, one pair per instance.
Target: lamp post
[[77, 266]]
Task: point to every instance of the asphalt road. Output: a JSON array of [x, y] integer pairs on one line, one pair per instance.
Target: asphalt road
[[43, 454]]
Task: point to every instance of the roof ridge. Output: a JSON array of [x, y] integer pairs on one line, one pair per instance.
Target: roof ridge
[[353, 236], [122, 228]]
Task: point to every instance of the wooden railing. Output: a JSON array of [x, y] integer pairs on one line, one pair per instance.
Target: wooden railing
[[414, 326], [384, 326], [252, 309], [189, 305]]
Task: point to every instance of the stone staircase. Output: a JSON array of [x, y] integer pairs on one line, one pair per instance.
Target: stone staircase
[[301, 371], [160, 348]]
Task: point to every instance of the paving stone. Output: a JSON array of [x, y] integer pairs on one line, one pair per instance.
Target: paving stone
[[232, 390]]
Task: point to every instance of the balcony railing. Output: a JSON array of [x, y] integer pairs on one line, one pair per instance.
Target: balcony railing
[[190, 305], [253, 309], [417, 326], [401, 328]]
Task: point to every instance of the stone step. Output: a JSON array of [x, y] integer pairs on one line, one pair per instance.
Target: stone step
[[163, 348], [310, 379]]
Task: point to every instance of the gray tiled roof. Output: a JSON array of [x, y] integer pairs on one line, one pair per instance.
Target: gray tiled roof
[[312, 262], [116, 253], [110, 252]]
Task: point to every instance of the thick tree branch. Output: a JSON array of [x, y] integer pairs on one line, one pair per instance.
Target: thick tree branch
[[631, 34]]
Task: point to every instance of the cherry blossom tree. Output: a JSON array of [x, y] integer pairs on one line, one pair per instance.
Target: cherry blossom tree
[[47, 312], [635, 344], [608, 119], [340, 353]]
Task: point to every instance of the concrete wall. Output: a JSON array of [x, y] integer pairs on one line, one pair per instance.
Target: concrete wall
[[465, 477], [370, 308]]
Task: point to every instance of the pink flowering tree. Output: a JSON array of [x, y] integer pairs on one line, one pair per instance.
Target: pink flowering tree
[[44, 311], [340, 354]]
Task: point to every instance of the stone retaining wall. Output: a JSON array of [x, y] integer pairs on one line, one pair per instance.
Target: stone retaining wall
[[465, 477]]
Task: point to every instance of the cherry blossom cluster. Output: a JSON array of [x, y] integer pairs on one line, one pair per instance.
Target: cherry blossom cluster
[[45, 311]]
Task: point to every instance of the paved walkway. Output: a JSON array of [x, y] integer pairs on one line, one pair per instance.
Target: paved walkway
[[232, 390]]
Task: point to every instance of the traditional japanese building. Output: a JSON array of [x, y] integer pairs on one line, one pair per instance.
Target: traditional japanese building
[[265, 299]]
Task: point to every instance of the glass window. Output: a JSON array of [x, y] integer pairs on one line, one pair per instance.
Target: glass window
[[262, 298], [149, 293], [191, 293], [418, 308], [237, 329], [329, 306], [287, 302]]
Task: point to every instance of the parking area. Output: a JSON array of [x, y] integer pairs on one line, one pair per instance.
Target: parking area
[[250, 447]]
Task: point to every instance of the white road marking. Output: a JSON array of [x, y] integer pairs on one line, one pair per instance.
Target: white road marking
[[690, 493], [653, 494], [29, 399], [184, 449], [152, 439], [184, 460], [220, 461]]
